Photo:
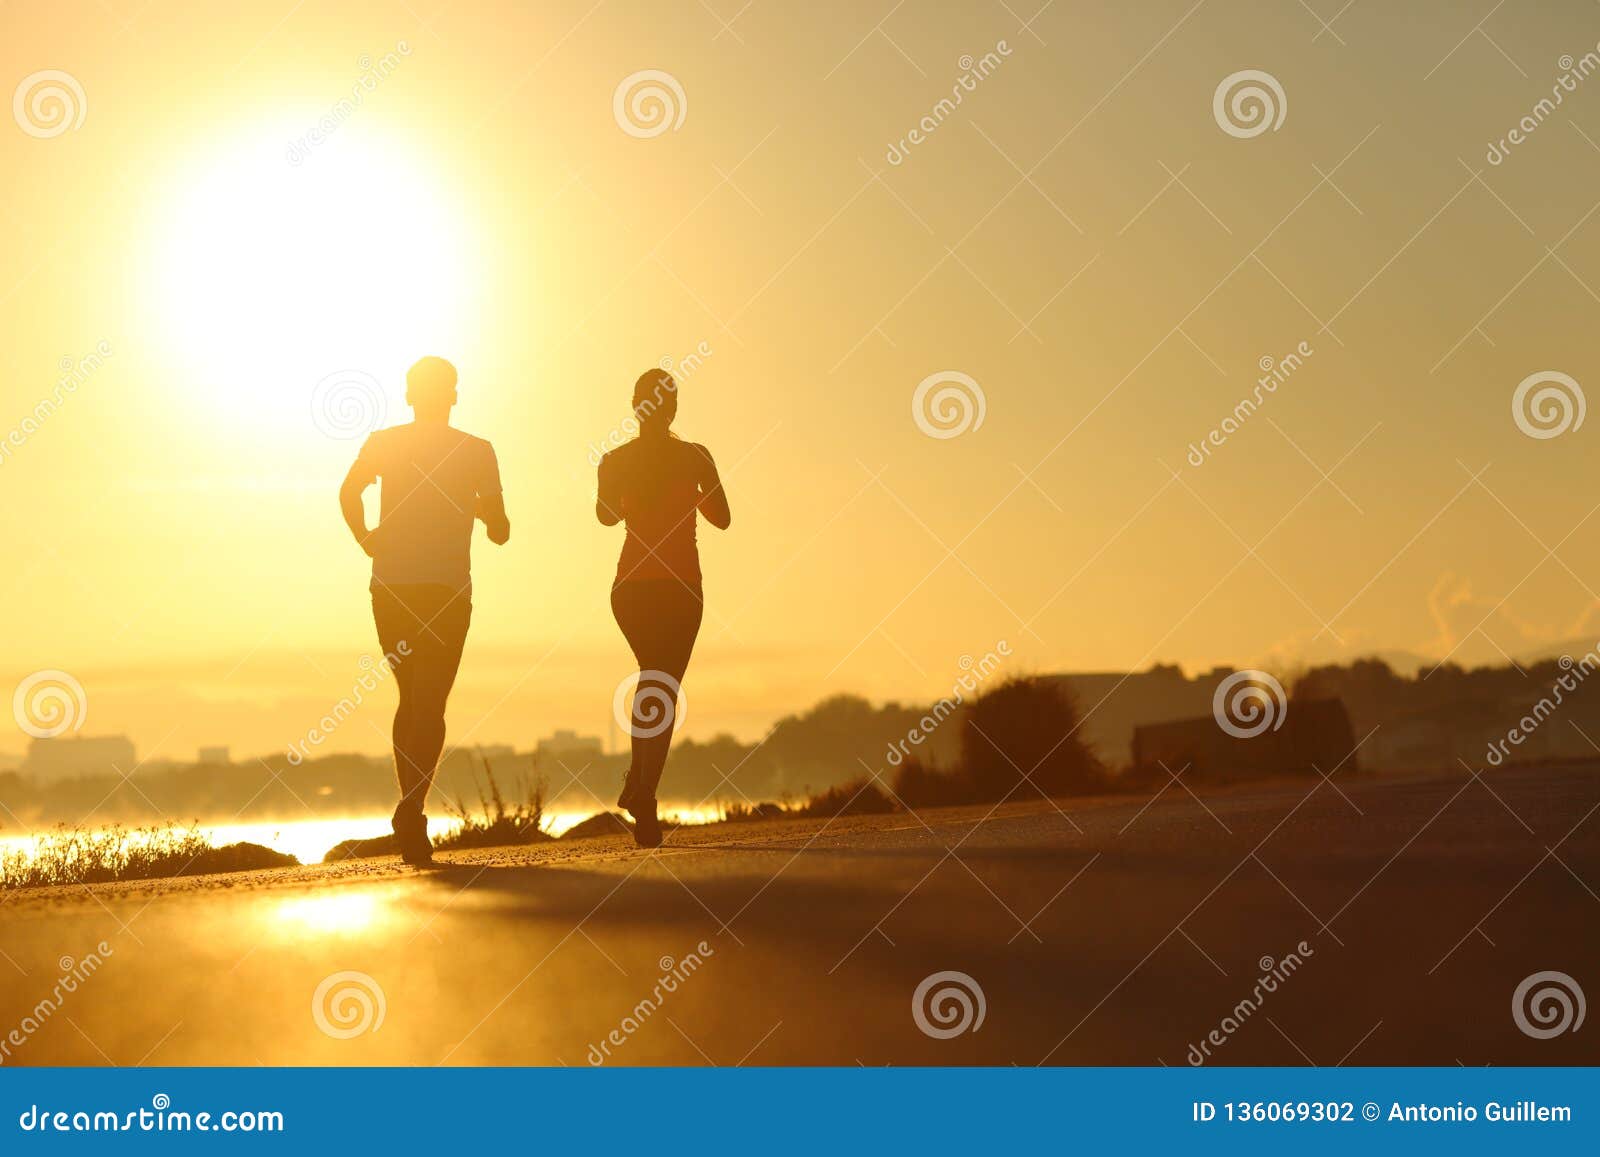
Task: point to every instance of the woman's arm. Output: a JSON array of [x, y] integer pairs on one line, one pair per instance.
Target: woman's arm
[[608, 494], [713, 498]]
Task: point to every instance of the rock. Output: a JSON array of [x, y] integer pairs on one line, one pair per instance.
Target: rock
[[361, 849], [604, 824]]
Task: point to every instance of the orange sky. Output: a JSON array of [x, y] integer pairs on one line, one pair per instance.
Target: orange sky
[[1079, 236]]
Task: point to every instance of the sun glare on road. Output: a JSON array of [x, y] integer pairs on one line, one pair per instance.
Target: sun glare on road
[[352, 911]]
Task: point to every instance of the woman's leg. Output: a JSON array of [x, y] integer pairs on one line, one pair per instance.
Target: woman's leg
[[660, 620]]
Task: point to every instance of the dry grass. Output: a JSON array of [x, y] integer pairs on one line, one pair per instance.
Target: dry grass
[[496, 824], [74, 856]]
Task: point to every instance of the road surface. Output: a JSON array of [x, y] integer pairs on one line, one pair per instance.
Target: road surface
[[1395, 919]]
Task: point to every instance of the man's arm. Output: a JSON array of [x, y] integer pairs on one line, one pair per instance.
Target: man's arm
[[713, 499], [355, 513], [492, 513], [491, 509]]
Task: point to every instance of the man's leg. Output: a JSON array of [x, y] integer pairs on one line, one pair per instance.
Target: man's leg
[[444, 634], [396, 615]]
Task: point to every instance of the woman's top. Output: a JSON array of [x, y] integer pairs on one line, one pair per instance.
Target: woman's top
[[654, 484]]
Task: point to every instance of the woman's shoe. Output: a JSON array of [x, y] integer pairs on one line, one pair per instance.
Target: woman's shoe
[[625, 800], [646, 826]]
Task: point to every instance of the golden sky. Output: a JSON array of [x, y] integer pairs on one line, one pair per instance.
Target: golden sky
[[228, 225]]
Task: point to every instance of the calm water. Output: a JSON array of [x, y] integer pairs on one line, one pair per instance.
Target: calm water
[[309, 840]]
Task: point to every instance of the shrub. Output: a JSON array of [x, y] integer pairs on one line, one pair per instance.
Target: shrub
[[917, 786], [1020, 740], [859, 798]]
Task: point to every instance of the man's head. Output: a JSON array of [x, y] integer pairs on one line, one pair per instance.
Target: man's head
[[431, 389]]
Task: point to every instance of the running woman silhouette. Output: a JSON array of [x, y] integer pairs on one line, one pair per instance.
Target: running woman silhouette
[[656, 484], [437, 482]]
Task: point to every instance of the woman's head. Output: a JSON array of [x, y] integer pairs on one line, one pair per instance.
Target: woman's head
[[655, 401]]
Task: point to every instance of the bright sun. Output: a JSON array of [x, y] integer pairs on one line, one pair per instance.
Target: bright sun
[[271, 275]]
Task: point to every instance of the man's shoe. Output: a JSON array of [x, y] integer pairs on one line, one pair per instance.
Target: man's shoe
[[411, 829]]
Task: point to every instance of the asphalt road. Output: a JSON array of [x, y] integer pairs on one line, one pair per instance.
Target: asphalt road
[[1396, 919]]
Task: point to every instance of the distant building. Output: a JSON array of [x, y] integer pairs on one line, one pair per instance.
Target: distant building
[[566, 746], [1315, 735], [214, 756], [74, 757]]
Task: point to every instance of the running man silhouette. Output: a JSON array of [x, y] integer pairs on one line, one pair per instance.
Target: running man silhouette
[[436, 482], [656, 484]]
